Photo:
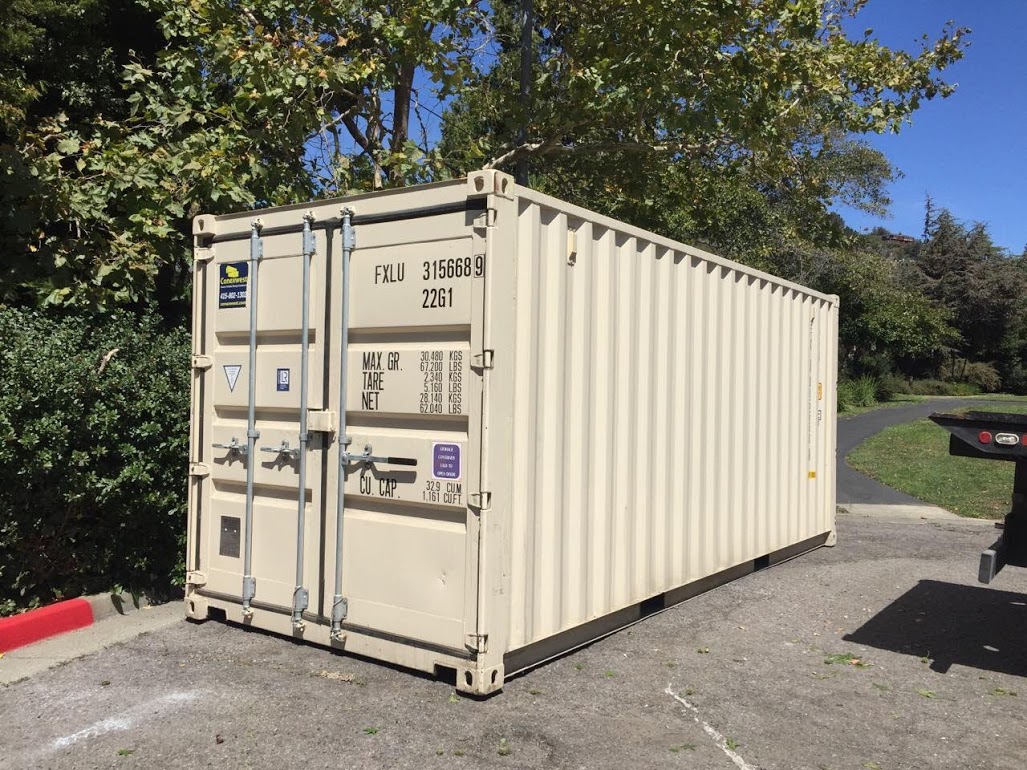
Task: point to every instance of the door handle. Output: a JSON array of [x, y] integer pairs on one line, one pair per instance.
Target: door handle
[[282, 449], [234, 448], [367, 457]]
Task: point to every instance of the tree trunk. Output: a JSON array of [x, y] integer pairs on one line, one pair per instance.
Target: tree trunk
[[401, 116]]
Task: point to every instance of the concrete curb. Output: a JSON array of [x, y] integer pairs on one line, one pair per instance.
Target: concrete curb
[[59, 618], [896, 512], [108, 605]]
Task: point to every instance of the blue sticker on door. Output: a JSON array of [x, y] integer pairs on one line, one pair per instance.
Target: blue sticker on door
[[282, 379], [445, 461], [233, 278]]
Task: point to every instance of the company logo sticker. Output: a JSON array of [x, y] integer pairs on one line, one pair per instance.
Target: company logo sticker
[[445, 461], [233, 279], [282, 379]]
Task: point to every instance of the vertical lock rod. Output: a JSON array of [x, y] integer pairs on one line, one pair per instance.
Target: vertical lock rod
[[249, 584], [339, 604], [300, 596]]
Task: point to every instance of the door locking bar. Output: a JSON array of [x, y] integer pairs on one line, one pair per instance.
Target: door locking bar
[[367, 457], [233, 447], [291, 453]]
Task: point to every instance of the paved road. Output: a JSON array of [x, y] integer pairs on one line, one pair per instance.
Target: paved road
[[735, 679], [853, 486]]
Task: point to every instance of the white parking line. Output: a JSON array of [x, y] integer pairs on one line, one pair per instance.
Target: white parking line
[[102, 727], [712, 732], [128, 719]]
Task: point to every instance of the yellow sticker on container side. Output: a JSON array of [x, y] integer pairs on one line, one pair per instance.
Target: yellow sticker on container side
[[820, 391], [812, 474]]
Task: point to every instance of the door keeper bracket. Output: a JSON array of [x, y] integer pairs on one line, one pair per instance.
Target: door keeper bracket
[[482, 360]]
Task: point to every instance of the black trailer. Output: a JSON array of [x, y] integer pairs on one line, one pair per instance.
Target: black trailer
[[996, 436]]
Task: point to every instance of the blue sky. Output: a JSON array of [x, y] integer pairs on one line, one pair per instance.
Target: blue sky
[[968, 151]]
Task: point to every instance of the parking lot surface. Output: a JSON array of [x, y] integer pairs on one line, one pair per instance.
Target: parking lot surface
[[879, 653]]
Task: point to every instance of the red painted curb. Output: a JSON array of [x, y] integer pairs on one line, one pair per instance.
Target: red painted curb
[[28, 627]]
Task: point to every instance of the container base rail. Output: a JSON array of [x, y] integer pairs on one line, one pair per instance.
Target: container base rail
[[465, 669]]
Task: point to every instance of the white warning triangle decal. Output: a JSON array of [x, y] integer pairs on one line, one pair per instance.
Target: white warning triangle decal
[[232, 375]]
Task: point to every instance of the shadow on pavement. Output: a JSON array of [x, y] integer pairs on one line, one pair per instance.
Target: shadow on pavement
[[977, 627]]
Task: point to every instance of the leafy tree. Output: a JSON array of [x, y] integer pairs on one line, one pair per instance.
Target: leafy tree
[[723, 124], [247, 105], [983, 289], [66, 56], [884, 324], [273, 101], [61, 61], [738, 81]]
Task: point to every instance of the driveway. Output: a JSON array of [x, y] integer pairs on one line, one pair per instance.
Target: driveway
[[853, 486], [927, 670]]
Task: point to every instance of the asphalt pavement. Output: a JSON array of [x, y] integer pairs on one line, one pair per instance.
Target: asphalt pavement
[[879, 653], [853, 486]]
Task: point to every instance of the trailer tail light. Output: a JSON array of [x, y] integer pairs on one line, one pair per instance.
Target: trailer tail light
[[984, 437], [1007, 439]]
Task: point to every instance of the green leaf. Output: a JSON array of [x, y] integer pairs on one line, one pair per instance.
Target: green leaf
[[69, 146]]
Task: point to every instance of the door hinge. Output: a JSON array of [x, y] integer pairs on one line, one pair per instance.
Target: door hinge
[[201, 470], [480, 500], [196, 578], [203, 254], [202, 362], [321, 421], [482, 360], [478, 642]]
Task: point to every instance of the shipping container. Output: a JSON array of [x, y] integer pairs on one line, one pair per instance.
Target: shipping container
[[465, 427]]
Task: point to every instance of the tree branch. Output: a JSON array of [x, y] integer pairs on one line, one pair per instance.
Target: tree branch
[[551, 147], [356, 133]]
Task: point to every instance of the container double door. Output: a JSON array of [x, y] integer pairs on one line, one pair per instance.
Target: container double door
[[413, 399]]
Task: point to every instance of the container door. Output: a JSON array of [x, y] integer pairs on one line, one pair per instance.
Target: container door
[[410, 543], [229, 291]]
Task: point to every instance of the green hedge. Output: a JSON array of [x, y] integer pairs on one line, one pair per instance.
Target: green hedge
[[941, 388], [93, 452]]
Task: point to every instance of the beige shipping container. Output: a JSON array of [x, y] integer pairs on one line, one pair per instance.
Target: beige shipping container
[[498, 427]]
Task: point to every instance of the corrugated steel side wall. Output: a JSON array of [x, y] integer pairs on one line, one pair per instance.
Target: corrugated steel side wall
[[671, 410]]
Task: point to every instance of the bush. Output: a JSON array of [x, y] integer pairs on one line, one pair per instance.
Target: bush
[[865, 390], [963, 389], [846, 397], [984, 376], [939, 388], [930, 387], [890, 386], [857, 393], [1016, 381], [94, 418]]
